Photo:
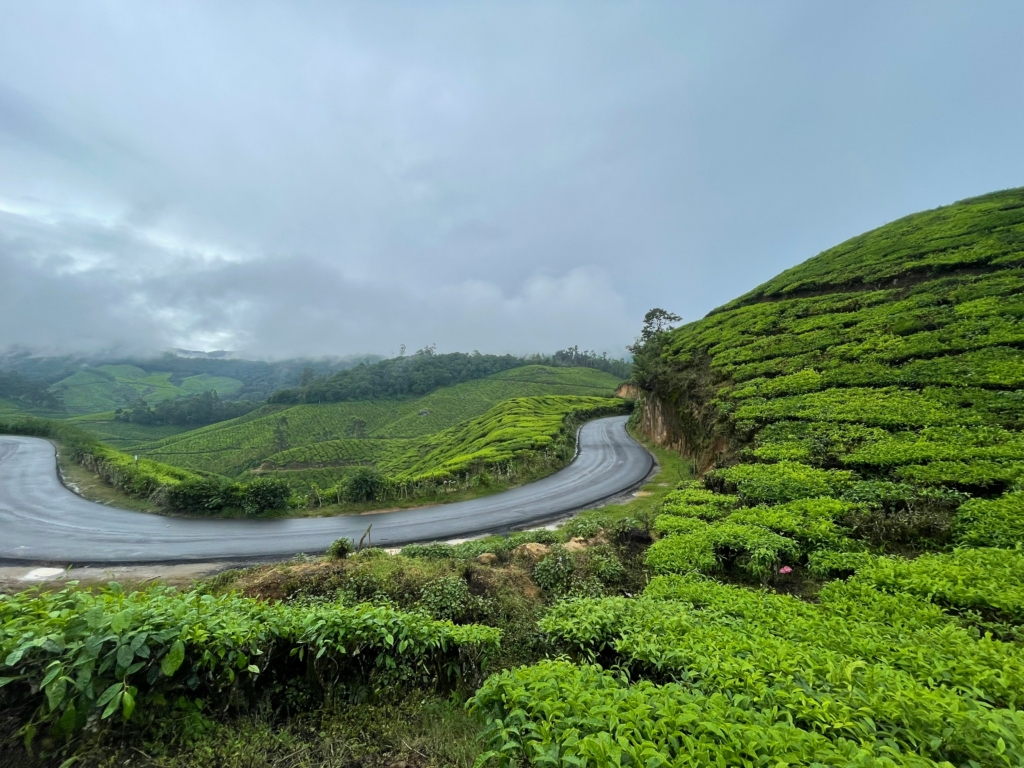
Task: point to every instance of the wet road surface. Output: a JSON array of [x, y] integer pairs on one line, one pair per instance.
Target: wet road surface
[[41, 521]]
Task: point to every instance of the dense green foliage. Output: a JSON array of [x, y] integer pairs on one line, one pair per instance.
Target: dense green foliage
[[865, 402], [72, 656], [722, 673]]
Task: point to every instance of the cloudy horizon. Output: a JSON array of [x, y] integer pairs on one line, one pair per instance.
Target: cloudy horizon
[[286, 180]]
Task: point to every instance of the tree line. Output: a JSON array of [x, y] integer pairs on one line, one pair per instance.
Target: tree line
[[195, 411]]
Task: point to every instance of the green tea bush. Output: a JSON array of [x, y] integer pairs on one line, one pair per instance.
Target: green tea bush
[[72, 657], [992, 523], [264, 494], [341, 548], [752, 548], [781, 482], [448, 598], [858, 403], [207, 494], [555, 572], [364, 484], [668, 525], [501, 546], [885, 672], [990, 581], [811, 522]]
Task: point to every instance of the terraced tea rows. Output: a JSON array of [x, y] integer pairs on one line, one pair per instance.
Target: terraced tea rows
[[233, 447]]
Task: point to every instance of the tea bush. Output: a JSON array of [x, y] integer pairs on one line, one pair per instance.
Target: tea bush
[[72, 656], [992, 523]]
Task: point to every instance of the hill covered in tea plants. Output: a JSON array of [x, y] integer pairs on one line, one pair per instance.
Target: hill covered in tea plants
[[235, 446], [857, 422]]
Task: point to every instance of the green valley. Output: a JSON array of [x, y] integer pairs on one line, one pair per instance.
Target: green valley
[[827, 571]]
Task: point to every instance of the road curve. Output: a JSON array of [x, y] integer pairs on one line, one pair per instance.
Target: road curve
[[41, 521]]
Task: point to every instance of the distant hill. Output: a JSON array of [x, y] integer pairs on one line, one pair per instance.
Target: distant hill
[[341, 436], [423, 372], [94, 385]]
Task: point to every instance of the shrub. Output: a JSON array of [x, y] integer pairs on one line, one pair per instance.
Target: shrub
[[555, 572], [752, 548], [449, 598], [992, 523], [782, 482], [202, 494], [363, 485], [264, 494], [669, 525], [75, 658], [340, 548]]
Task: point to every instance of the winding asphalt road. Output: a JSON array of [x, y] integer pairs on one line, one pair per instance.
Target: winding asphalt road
[[41, 521]]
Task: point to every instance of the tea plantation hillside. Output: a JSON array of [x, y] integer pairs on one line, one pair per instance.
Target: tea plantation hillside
[[517, 437], [858, 421], [348, 434]]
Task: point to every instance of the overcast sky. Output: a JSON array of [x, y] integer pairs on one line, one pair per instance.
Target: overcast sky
[[303, 178]]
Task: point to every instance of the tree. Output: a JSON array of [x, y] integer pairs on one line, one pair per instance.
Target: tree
[[657, 321], [363, 485], [647, 348]]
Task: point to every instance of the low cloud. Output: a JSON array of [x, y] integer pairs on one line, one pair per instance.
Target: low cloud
[[79, 285]]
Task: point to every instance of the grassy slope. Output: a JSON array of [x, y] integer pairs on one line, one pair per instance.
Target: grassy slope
[[232, 447]]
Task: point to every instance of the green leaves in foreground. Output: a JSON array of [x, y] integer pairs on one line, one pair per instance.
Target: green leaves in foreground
[[72, 654]]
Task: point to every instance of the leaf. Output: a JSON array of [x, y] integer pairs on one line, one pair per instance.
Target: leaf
[[125, 654], [67, 720], [54, 670], [173, 659], [254, 669], [5, 680], [113, 704], [127, 704], [119, 622], [55, 692], [94, 617], [108, 694]]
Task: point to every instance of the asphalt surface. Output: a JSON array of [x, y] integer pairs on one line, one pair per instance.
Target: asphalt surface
[[41, 521]]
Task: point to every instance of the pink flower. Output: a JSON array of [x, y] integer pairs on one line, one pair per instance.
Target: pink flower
[[785, 569]]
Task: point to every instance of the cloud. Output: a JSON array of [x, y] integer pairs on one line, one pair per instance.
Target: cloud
[[128, 289], [328, 179]]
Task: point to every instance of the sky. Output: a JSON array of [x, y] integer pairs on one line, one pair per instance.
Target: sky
[[305, 179]]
